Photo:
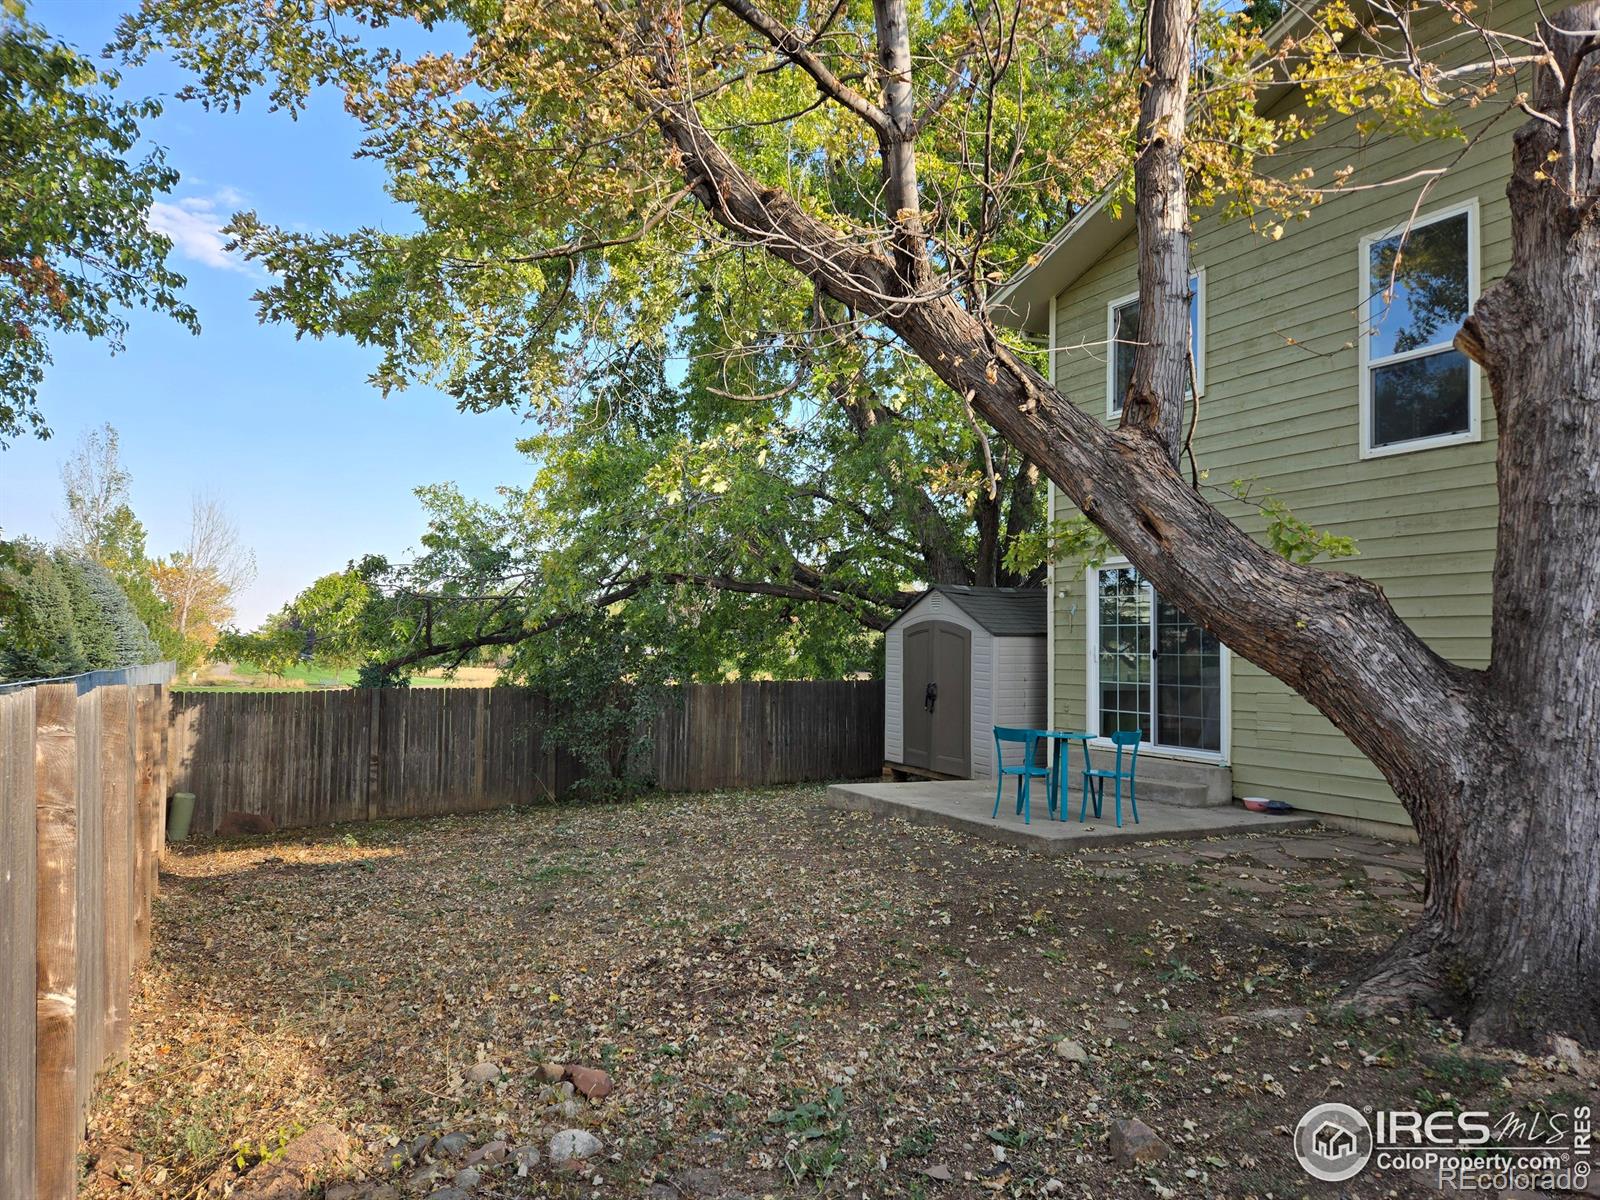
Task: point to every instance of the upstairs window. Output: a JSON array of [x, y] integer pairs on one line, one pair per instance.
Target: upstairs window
[[1417, 286], [1122, 335]]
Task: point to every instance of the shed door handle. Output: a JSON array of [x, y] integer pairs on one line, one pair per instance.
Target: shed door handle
[[931, 697]]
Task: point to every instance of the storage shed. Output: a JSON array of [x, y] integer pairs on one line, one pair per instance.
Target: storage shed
[[958, 662]]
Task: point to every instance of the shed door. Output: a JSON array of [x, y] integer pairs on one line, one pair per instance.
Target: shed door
[[937, 698]]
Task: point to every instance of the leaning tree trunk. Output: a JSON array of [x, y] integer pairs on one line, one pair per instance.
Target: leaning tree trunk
[[1499, 769], [1511, 935]]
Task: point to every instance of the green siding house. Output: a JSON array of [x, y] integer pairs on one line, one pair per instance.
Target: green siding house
[[1352, 409]]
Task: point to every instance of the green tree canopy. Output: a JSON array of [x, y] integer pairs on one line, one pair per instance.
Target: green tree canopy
[[39, 635], [62, 614], [75, 250]]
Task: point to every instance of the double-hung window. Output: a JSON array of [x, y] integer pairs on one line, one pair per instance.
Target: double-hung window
[[1122, 336], [1417, 285]]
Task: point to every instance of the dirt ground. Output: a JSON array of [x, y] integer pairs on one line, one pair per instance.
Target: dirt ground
[[792, 1001]]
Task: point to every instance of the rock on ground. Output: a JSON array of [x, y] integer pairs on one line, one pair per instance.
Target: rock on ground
[[115, 1162], [1071, 1051], [1570, 1054], [362, 1191], [489, 1154], [484, 1072], [573, 1144], [595, 1084], [304, 1163], [526, 1158], [1133, 1142]]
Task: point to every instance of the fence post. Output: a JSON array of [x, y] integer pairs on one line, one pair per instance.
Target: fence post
[[374, 753], [161, 747], [117, 849], [147, 809], [56, 1132], [18, 946]]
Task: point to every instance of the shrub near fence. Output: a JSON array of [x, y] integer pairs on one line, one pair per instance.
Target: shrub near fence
[[313, 758], [82, 780]]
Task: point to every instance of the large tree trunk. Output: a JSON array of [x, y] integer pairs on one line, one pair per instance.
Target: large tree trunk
[[1499, 770], [1511, 936]]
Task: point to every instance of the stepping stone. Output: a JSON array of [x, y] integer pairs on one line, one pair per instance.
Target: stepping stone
[[1260, 887], [1275, 858], [1115, 873], [1385, 874], [1316, 851]]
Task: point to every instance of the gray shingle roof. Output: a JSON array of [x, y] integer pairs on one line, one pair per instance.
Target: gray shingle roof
[[1004, 612]]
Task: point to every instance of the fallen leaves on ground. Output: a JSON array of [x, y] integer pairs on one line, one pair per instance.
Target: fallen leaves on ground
[[790, 1000]]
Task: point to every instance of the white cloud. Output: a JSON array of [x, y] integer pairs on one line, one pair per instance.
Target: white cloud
[[195, 224]]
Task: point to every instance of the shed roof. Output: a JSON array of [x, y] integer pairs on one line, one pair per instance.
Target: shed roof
[[1004, 612]]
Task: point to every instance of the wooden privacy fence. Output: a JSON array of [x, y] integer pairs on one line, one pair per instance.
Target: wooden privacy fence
[[87, 763], [314, 758], [729, 735], [82, 780]]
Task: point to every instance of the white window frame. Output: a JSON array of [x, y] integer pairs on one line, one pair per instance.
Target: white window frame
[[1197, 279], [1221, 757], [1050, 563], [1474, 430]]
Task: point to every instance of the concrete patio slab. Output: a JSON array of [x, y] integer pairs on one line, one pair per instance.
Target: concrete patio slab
[[965, 804]]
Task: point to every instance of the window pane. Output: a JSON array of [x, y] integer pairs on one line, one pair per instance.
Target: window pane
[[1188, 681], [1124, 650], [1421, 398], [1127, 338], [1123, 352], [1194, 321], [1431, 287]]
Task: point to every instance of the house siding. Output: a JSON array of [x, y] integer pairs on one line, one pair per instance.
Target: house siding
[[1281, 407]]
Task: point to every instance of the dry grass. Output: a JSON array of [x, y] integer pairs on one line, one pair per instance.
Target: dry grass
[[803, 1001]]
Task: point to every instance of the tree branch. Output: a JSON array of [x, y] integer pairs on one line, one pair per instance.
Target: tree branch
[[1331, 636], [797, 50]]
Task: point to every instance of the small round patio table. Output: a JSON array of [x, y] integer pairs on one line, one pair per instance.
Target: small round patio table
[[1060, 739]]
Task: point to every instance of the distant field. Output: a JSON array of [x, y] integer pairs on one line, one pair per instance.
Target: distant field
[[246, 677]]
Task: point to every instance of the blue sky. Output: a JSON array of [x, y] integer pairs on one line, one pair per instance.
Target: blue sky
[[314, 464]]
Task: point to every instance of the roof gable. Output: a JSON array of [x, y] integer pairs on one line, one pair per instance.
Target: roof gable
[[1001, 612]]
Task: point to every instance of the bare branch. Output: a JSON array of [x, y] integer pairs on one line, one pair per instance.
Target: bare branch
[[797, 50]]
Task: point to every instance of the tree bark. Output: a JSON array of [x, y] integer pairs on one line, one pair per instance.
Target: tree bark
[[1511, 934], [986, 515], [1499, 770], [1154, 402]]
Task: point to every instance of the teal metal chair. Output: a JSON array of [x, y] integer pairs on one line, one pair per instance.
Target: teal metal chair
[[1094, 778], [1026, 771]]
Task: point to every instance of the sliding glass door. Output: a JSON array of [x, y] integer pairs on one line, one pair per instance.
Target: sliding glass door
[[1157, 670]]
